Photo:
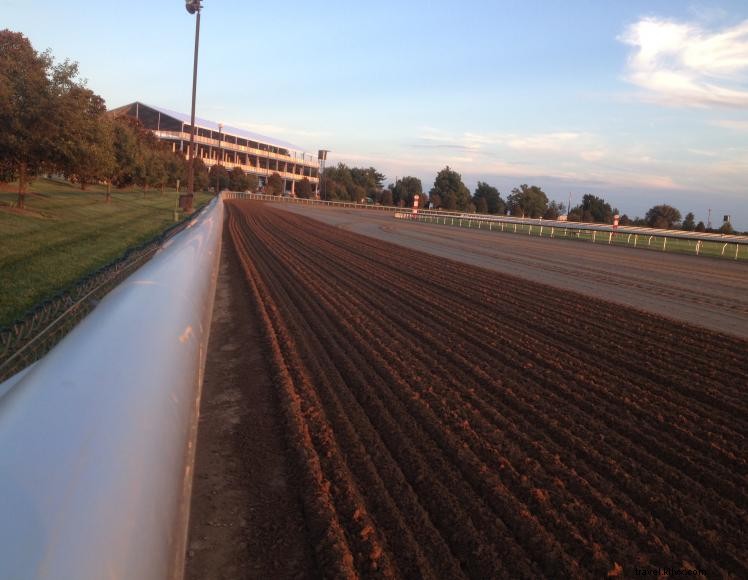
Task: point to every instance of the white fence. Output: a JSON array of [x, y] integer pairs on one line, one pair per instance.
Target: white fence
[[674, 241], [97, 438]]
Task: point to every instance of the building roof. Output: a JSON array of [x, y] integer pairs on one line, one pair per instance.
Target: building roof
[[213, 126]]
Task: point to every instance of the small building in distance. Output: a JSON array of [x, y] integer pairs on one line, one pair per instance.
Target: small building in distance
[[229, 146]]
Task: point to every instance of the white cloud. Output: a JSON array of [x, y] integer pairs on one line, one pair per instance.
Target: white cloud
[[592, 155], [704, 152], [682, 64], [561, 142], [544, 142], [275, 130], [732, 124]]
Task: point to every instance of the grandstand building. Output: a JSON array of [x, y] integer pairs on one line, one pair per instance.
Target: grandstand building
[[231, 147]]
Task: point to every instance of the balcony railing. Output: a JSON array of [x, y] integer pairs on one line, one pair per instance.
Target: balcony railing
[[302, 159], [261, 170]]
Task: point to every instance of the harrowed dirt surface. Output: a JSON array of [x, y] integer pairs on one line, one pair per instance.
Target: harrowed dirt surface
[[246, 519], [708, 292], [447, 421]]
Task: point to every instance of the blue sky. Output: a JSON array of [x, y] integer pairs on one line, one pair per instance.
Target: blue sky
[[642, 102]]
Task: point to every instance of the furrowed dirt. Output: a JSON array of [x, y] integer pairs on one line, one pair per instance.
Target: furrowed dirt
[[446, 421]]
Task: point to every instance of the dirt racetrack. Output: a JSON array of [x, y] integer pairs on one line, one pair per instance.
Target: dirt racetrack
[[447, 421], [708, 292]]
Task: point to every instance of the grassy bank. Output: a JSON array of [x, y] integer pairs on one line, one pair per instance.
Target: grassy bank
[[65, 233]]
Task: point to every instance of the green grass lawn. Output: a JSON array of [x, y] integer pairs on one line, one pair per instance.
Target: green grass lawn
[[65, 233]]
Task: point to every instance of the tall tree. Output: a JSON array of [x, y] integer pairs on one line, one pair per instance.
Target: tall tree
[[367, 178], [202, 180], [155, 173], [492, 197], [405, 189], [351, 183], [527, 201], [274, 185], [592, 209], [86, 153], [689, 222], [94, 156], [28, 127], [662, 216], [338, 183], [219, 177], [127, 152], [238, 180], [253, 183], [176, 167], [554, 209], [304, 189], [451, 190]]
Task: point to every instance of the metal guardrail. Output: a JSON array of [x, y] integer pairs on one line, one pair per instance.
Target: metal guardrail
[[97, 438]]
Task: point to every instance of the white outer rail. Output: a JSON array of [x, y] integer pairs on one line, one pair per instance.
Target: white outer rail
[[97, 438]]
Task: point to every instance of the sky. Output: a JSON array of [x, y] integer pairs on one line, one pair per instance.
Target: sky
[[640, 102]]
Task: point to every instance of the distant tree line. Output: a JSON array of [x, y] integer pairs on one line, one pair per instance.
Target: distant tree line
[[530, 201], [352, 184]]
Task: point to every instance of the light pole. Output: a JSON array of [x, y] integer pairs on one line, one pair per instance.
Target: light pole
[[193, 6]]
